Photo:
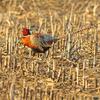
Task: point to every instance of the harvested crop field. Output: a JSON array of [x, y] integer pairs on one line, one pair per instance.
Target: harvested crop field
[[70, 70]]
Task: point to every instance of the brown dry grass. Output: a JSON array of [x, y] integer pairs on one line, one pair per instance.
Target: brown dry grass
[[69, 70]]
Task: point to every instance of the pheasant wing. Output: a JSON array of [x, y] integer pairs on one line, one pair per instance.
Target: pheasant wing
[[47, 40]]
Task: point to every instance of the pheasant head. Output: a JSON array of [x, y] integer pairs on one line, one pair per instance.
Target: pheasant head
[[25, 31]]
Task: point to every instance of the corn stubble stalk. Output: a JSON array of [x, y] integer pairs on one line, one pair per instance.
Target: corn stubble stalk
[[95, 48], [1, 58], [12, 89], [6, 39]]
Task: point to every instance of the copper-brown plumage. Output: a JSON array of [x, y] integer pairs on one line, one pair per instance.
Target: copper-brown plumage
[[38, 42]]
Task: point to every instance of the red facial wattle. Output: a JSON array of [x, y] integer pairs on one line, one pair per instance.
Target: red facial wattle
[[25, 31]]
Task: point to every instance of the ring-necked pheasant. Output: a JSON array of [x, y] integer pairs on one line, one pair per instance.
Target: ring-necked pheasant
[[38, 42]]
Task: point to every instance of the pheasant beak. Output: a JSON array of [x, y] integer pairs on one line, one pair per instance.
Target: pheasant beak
[[18, 41]]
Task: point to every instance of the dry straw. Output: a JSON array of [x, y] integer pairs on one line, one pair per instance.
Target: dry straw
[[69, 70]]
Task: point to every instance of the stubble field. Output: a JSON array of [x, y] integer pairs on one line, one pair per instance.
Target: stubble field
[[70, 70]]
